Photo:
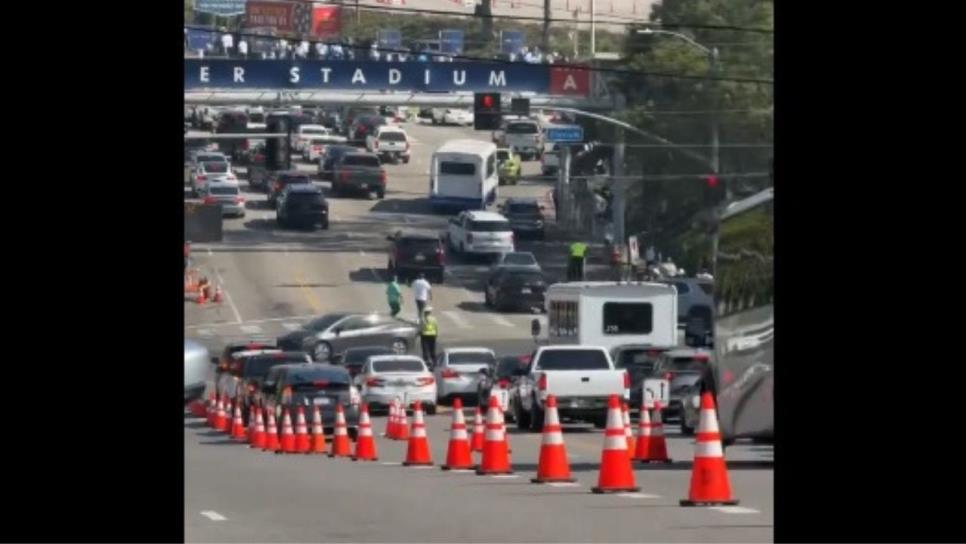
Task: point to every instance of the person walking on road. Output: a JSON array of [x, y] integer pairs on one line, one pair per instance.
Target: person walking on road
[[424, 293], [428, 334], [394, 296], [575, 270]]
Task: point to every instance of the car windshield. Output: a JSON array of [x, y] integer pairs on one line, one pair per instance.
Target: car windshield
[[319, 376], [398, 365], [490, 226], [322, 323], [216, 167], [359, 356], [519, 259], [523, 278], [523, 208], [392, 137], [223, 191], [522, 128], [476, 357], [573, 359], [294, 178], [361, 160]]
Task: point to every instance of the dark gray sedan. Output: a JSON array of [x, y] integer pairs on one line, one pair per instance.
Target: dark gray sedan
[[332, 334]]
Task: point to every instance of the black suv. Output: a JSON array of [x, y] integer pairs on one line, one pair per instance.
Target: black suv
[[412, 253], [302, 204], [525, 216], [280, 180]]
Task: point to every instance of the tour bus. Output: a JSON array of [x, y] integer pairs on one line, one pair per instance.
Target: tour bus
[[463, 175], [611, 314], [744, 325]]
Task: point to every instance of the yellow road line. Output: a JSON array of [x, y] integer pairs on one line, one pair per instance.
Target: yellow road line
[[308, 294]]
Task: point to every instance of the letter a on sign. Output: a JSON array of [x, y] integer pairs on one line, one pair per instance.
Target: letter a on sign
[[358, 76], [569, 83]]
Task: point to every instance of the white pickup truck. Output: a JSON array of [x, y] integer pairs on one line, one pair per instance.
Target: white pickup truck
[[581, 377]]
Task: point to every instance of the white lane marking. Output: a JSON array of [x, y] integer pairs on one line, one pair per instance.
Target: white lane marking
[[456, 318], [390, 463], [500, 320], [462, 471], [735, 510], [213, 516], [205, 332], [291, 326], [638, 496], [209, 252], [422, 467], [564, 484], [505, 476], [231, 302], [250, 329]]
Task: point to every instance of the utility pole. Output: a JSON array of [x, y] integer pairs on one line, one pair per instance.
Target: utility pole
[[564, 199], [593, 28], [546, 27]]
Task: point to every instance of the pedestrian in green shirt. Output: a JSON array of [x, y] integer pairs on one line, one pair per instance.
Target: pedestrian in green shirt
[[394, 296]]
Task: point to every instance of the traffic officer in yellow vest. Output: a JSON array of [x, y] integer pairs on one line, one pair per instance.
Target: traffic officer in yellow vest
[[575, 270], [428, 335]]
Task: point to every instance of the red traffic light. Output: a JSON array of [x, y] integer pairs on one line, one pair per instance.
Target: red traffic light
[[487, 100], [712, 181]]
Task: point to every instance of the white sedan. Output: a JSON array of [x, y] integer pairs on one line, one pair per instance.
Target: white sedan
[[404, 377], [453, 116]]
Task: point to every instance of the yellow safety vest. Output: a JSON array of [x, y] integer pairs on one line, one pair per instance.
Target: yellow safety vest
[[430, 328], [577, 249]]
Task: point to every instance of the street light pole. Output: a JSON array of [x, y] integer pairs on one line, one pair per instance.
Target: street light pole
[[593, 28]]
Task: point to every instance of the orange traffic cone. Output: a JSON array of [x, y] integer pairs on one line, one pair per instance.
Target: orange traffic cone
[[271, 431], [458, 452], [201, 296], [628, 430], [259, 436], [221, 419], [365, 444], [496, 458], [288, 436], [198, 409], [643, 447], [318, 432], [402, 423], [615, 466], [212, 408], [709, 475], [238, 424], [390, 431], [553, 465], [417, 452], [657, 449], [340, 438], [476, 444], [301, 432], [217, 297]]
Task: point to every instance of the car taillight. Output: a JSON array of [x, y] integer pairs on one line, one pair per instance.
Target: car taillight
[[428, 380], [627, 380], [542, 382], [375, 382], [449, 373], [382, 177], [701, 358], [202, 177], [209, 200], [440, 256], [321, 383], [503, 383], [239, 199], [469, 238], [668, 376], [653, 353]]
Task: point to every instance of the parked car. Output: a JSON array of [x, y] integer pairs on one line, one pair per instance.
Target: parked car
[[682, 368], [500, 376], [412, 253], [227, 194], [390, 143], [313, 384], [302, 204], [353, 358], [525, 216], [332, 334], [515, 289], [480, 232], [458, 373], [359, 172], [509, 167], [280, 180], [405, 377], [329, 157]]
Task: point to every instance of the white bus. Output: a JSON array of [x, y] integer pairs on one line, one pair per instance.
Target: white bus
[[611, 314], [463, 175]]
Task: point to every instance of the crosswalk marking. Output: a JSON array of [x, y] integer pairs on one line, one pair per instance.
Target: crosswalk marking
[[291, 326], [638, 496], [455, 318], [250, 329], [735, 510], [500, 320]]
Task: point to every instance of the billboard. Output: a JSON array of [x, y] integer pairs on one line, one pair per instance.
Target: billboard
[[326, 21], [569, 81], [223, 8], [279, 16], [375, 76]]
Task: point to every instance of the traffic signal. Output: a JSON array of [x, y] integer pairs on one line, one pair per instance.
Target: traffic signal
[[486, 111], [714, 190]]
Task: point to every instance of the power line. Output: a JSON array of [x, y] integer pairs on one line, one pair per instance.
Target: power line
[[506, 62]]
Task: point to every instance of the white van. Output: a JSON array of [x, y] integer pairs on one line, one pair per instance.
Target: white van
[[463, 175], [611, 314]]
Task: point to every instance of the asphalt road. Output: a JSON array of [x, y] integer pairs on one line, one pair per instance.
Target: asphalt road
[[273, 279]]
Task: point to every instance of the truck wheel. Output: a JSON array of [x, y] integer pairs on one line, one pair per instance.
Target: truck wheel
[[522, 418]]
